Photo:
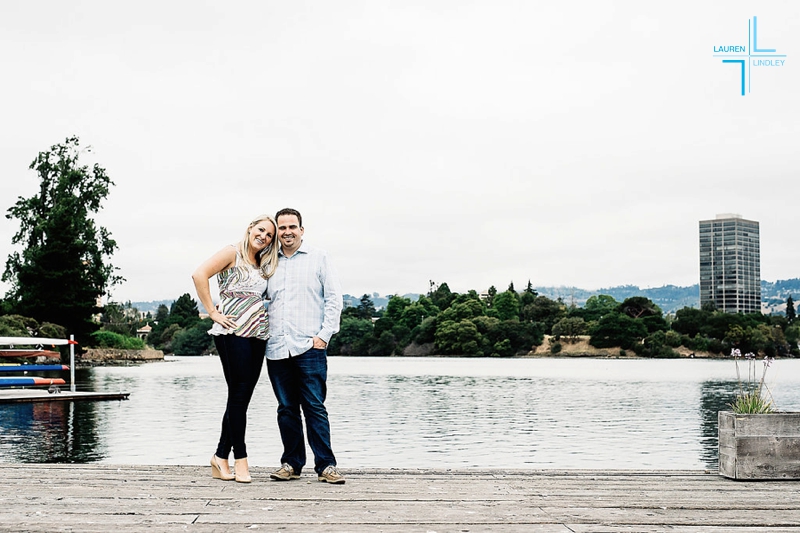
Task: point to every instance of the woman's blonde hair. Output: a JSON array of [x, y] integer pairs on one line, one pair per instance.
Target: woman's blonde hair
[[268, 257]]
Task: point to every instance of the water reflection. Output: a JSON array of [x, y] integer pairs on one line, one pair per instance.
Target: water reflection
[[715, 396], [49, 432]]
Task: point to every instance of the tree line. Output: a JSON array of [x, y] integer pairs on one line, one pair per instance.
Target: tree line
[[513, 323]]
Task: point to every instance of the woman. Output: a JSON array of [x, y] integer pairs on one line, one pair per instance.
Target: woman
[[240, 331]]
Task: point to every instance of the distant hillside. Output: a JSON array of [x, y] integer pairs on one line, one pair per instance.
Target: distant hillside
[[151, 307], [669, 298]]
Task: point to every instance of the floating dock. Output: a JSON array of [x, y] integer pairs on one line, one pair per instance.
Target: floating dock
[[34, 395], [123, 498]]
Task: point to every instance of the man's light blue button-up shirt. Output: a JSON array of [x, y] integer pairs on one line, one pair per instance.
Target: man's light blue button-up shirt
[[304, 300]]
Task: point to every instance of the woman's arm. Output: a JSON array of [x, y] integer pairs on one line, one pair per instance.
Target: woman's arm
[[220, 261]]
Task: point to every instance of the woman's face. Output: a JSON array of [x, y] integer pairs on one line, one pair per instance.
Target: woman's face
[[261, 235]]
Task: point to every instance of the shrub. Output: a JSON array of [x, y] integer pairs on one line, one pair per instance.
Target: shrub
[[109, 339], [555, 348], [194, 340]]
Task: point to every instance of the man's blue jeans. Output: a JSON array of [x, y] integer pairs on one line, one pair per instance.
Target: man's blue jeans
[[300, 382]]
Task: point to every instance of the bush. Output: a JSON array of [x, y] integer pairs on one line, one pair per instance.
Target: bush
[[52, 331], [13, 326], [194, 340], [715, 346], [109, 339], [555, 348], [672, 339], [503, 349]]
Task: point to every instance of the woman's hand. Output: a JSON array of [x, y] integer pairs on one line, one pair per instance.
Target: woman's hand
[[226, 321]]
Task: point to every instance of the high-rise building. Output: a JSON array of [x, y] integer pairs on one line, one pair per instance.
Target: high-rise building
[[730, 264]]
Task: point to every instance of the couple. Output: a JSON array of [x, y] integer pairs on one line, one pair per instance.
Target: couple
[[304, 302]]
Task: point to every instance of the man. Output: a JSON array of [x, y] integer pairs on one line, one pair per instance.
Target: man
[[305, 302]]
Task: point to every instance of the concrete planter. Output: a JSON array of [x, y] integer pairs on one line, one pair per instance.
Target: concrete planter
[[759, 446]]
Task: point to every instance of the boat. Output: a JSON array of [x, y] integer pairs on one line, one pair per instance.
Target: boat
[[32, 346], [14, 347], [9, 381]]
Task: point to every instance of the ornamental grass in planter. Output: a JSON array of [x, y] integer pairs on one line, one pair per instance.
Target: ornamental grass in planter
[[756, 441]]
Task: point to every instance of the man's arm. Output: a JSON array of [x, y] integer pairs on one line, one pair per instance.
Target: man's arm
[[332, 301]]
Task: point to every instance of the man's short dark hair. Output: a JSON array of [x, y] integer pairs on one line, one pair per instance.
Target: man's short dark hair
[[290, 211]]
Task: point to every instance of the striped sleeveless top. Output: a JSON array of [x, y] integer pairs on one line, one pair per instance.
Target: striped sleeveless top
[[240, 294]]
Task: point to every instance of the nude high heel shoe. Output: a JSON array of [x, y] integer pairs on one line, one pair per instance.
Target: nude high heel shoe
[[241, 471], [216, 470]]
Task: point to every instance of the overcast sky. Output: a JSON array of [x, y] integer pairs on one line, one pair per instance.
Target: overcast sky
[[573, 143]]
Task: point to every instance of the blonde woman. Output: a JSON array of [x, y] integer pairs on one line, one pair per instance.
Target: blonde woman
[[240, 332]]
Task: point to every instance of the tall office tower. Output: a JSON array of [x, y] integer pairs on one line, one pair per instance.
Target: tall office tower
[[730, 264]]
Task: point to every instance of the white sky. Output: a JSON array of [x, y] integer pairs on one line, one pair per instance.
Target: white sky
[[474, 143]]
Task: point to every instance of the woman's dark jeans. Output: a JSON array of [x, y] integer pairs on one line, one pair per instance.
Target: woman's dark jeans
[[242, 359]]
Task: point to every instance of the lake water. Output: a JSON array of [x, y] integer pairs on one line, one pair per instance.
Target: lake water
[[410, 413]]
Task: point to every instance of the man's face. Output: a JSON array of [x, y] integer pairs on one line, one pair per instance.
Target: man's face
[[289, 232]]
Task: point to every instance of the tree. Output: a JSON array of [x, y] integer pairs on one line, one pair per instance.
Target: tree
[[194, 340], [639, 307], [184, 311], [441, 296], [544, 310], [790, 314], [458, 338], [528, 296], [507, 305], [64, 266], [571, 328], [617, 329], [491, 293], [366, 308]]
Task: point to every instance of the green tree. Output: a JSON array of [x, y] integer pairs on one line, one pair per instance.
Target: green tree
[[441, 296], [639, 307], [64, 266], [458, 338], [689, 321], [194, 340], [617, 329], [507, 305], [426, 331], [528, 296], [353, 337], [790, 313], [395, 307], [184, 311], [570, 327], [544, 310], [463, 311], [413, 315], [655, 345], [120, 318], [366, 308], [492, 292]]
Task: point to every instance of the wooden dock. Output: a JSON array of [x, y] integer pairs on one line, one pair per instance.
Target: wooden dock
[[124, 498], [42, 395]]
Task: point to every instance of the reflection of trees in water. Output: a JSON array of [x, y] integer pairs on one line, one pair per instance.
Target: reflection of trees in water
[[50, 432], [715, 396]]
